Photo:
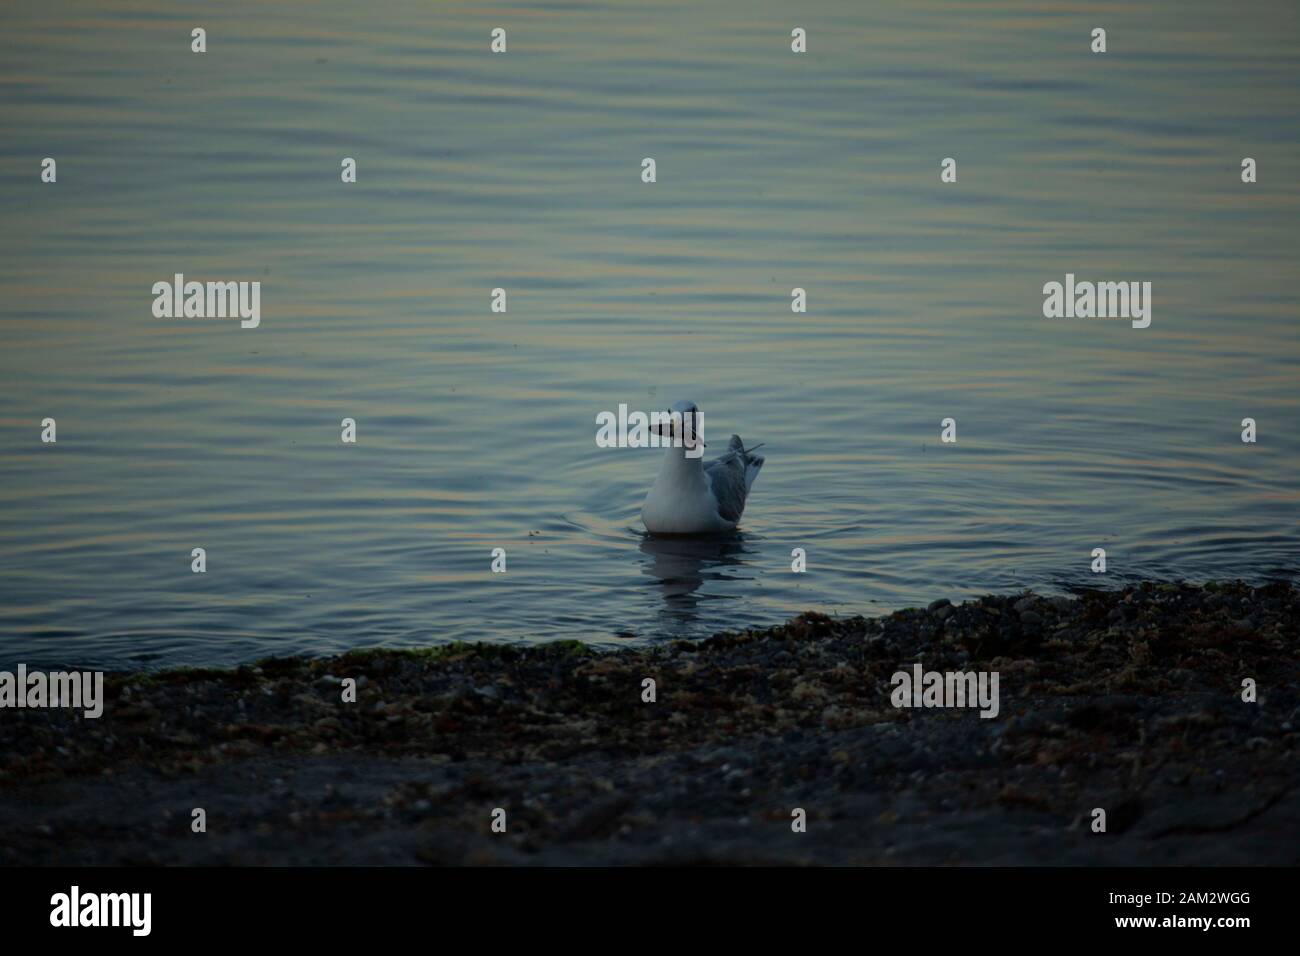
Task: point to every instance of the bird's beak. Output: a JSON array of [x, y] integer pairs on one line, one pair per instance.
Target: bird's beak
[[665, 430]]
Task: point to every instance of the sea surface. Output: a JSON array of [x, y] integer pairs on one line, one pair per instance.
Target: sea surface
[[522, 171]]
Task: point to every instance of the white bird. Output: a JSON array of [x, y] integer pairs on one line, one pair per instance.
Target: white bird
[[692, 496]]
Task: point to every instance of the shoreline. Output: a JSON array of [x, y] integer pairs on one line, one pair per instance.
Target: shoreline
[[1128, 700]]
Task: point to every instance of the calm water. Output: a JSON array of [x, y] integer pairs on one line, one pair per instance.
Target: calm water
[[476, 430]]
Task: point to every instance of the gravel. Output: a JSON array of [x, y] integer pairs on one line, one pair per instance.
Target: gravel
[[1127, 700]]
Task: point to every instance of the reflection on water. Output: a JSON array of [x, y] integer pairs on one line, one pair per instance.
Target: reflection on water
[[475, 429], [681, 566]]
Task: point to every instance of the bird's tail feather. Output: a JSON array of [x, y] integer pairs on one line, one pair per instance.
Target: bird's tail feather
[[751, 461]]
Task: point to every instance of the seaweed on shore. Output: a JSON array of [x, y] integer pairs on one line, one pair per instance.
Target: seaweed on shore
[[1126, 686]]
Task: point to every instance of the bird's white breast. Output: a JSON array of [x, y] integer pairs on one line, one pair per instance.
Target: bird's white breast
[[681, 501]]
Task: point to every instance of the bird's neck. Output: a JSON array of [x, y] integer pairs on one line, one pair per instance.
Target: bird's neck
[[679, 467]]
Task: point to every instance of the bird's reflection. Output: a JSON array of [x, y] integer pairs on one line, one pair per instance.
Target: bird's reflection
[[682, 565]]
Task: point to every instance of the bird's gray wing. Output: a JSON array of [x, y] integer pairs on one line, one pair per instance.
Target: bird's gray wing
[[727, 478]]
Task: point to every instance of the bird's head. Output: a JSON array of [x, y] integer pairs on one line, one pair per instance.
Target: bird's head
[[685, 422]]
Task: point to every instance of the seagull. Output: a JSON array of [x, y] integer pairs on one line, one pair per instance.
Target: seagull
[[692, 496]]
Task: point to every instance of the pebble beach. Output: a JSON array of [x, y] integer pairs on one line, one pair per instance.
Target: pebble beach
[[1128, 700]]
